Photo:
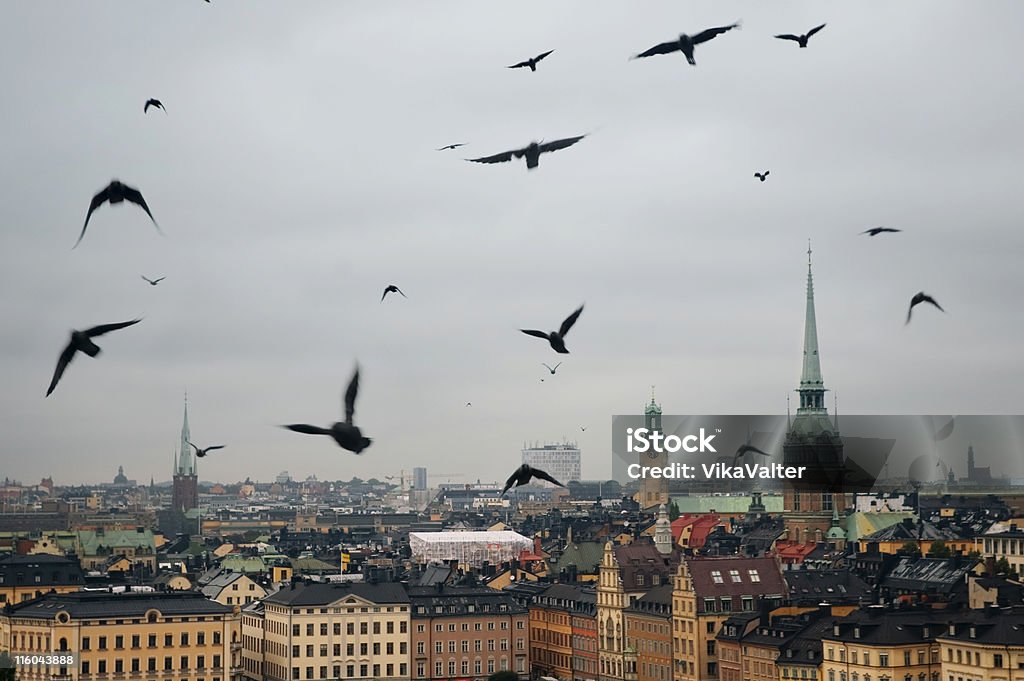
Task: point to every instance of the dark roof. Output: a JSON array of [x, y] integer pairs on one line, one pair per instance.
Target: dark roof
[[940, 575], [41, 571], [993, 626], [443, 600], [881, 625], [91, 604], [708, 584], [657, 602], [300, 594], [642, 559], [815, 586], [568, 597]]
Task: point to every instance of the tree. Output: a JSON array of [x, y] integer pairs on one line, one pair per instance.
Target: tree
[[910, 548], [1003, 567], [6, 667], [673, 511], [503, 676], [939, 550]]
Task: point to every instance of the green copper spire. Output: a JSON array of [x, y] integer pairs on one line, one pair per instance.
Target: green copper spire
[[812, 387]]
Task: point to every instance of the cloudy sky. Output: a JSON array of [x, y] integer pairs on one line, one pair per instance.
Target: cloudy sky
[[295, 176]]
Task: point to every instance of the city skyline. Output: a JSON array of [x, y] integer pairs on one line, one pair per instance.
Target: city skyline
[[284, 222]]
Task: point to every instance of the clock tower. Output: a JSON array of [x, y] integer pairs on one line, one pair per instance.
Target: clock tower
[[653, 491]]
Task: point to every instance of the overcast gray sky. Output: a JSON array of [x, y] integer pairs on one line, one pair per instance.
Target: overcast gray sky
[[295, 176]]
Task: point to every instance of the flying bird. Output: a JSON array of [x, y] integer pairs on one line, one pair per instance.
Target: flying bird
[[115, 192], [921, 297], [762, 176], [523, 475], [583, 429], [346, 434], [531, 62], [686, 43], [557, 338], [802, 39], [551, 369], [452, 146], [202, 452], [532, 152], [875, 231], [156, 103], [469, 404], [152, 282], [82, 341], [945, 431], [745, 449], [391, 288]]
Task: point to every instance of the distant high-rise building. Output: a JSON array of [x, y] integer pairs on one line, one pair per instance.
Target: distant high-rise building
[[561, 461], [185, 496], [283, 478], [419, 478]]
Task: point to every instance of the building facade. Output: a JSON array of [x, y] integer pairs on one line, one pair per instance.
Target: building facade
[[155, 636], [563, 633], [467, 633], [349, 630], [562, 461]]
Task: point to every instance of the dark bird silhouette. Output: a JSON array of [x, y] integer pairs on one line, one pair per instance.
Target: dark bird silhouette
[[875, 231], [469, 404], [686, 43], [745, 449], [557, 338], [551, 369], [203, 452], [115, 192], [532, 152], [583, 429], [452, 146], [921, 298], [154, 102], [152, 282], [346, 434], [802, 39], [532, 62], [762, 176], [524, 474], [391, 288], [82, 341]]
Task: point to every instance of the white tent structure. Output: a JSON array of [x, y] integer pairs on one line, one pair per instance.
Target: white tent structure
[[468, 548]]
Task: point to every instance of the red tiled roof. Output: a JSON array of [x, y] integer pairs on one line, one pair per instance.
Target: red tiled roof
[[793, 552], [700, 525]]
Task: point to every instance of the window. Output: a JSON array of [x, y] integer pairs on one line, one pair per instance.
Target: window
[[997, 660], [184, 638], [883, 659], [363, 629], [754, 577], [337, 632], [119, 642], [85, 643], [350, 649], [362, 669], [734, 575], [438, 647], [402, 627], [323, 632], [296, 630], [216, 638], [716, 577], [103, 642], [376, 630], [350, 629], [420, 645]]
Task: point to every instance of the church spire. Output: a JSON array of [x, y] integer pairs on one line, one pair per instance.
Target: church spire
[[812, 387], [186, 462]]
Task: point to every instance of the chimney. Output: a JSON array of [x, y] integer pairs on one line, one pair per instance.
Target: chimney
[[536, 546]]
